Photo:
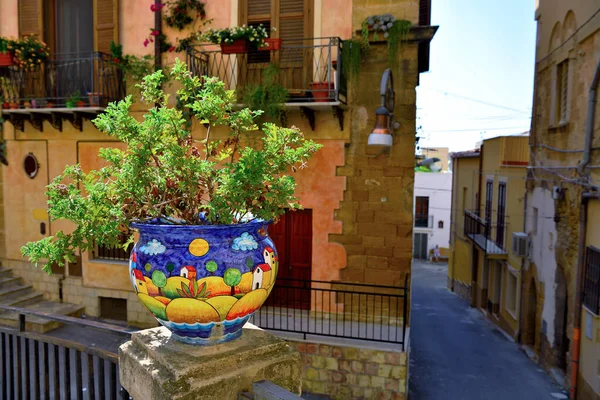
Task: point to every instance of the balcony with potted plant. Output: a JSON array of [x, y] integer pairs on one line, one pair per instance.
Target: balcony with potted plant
[[39, 86], [309, 69]]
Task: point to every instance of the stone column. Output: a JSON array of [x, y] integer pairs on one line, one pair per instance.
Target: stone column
[[155, 366]]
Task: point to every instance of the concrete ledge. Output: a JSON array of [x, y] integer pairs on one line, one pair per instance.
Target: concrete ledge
[[153, 365]]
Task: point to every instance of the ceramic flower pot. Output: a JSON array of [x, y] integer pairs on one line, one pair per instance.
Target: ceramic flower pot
[[6, 59], [321, 91], [203, 282], [271, 45]]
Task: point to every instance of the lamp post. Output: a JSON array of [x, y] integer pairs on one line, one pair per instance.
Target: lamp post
[[384, 115]]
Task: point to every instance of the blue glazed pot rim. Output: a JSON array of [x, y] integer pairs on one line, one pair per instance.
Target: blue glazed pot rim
[[155, 226]]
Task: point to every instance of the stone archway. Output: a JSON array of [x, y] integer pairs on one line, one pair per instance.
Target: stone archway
[[530, 312]]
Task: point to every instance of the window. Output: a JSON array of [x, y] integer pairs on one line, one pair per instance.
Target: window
[[114, 253], [501, 214], [440, 224], [591, 282], [562, 92], [534, 222], [422, 212], [511, 293], [489, 196]]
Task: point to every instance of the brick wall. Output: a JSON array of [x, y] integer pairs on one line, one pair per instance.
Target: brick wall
[[345, 372]]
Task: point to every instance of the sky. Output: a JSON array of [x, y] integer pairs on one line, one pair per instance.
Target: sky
[[483, 52]]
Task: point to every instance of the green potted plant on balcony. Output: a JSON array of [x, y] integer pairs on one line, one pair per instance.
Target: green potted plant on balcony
[[6, 54], [393, 30], [239, 39], [30, 52], [268, 96], [201, 206], [75, 100]]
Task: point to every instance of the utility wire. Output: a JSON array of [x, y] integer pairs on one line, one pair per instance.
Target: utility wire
[[446, 93]]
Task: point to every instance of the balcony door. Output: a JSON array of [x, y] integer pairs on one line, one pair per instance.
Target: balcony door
[[293, 23], [501, 214], [422, 212], [489, 197]]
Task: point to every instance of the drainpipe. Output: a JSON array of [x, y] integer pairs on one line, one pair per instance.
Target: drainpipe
[[158, 27], [578, 290], [589, 122]]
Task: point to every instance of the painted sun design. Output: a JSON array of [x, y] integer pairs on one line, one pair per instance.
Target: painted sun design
[[199, 247]]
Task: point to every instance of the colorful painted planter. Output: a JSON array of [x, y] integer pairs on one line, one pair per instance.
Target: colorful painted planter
[[203, 282]]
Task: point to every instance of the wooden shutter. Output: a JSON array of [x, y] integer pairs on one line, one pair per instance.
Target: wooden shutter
[[31, 18], [106, 24]]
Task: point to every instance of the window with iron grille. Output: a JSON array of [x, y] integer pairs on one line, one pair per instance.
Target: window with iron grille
[[501, 214], [114, 253], [591, 283], [489, 196], [562, 91]]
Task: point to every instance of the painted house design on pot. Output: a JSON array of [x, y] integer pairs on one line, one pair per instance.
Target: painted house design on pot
[[262, 277]]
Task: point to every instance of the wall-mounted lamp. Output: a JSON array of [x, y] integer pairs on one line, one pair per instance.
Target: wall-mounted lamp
[[384, 115]]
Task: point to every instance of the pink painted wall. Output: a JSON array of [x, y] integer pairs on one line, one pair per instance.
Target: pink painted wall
[[9, 23], [336, 18]]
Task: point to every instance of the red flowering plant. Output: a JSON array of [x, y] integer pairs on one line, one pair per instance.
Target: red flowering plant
[[29, 52]]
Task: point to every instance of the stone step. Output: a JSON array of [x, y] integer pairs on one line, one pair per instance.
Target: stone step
[[40, 324], [24, 299], [7, 281], [12, 291], [5, 272]]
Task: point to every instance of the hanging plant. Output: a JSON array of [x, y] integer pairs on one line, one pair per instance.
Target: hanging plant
[[351, 56], [394, 30], [179, 14]]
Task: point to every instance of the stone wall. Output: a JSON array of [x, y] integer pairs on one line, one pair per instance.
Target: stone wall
[[461, 289], [345, 372]]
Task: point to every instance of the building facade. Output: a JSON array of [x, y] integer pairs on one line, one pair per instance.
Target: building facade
[[481, 248], [561, 285], [357, 222], [433, 192]]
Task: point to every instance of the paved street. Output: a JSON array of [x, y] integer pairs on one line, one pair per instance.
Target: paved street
[[457, 354]]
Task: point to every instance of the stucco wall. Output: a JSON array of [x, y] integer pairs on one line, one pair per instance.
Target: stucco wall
[[438, 187]]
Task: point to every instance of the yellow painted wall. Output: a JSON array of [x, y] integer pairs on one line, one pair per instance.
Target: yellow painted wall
[[589, 366], [465, 181]]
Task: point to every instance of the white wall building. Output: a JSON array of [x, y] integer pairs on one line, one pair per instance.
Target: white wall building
[[432, 203]]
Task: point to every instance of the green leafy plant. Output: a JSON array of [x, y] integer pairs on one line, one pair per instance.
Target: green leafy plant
[[6, 45], [168, 175], [193, 291], [351, 56], [29, 52], [181, 13], [134, 68], [394, 30], [269, 95], [73, 100], [255, 35]]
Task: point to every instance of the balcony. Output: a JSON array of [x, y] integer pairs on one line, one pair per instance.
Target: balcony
[[480, 232], [309, 69], [43, 94], [424, 221]]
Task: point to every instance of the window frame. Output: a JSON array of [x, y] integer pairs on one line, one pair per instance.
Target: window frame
[[510, 273]]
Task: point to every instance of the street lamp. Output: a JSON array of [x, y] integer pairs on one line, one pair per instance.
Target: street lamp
[[384, 115]]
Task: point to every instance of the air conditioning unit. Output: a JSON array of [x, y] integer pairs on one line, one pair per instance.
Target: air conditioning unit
[[520, 244]]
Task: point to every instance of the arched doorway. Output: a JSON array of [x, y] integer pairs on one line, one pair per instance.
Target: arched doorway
[[529, 333], [560, 320]]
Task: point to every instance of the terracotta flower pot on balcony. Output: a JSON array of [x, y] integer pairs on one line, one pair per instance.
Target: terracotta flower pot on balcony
[[81, 103], [321, 90], [237, 47], [271, 45], [6, 59], [203, 282], [14, 106], [95, 99]]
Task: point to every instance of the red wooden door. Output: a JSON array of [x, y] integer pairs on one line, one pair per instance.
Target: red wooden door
[[292, 236]]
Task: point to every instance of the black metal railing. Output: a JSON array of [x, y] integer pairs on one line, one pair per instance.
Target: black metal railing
[[337, 309], [309, 69], [481, 231], [93, 76], [34, 366], [423, 221], [114, 253], [591, 283]]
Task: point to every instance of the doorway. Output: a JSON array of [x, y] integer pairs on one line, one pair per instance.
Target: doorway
[[560, 321], [529, 333], [292, 236], [420, 246]]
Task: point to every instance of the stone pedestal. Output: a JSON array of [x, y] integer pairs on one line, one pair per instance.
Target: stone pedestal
[[153, 365]]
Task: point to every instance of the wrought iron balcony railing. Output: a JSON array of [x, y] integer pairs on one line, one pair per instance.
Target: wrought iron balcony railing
[[423, 221], [309, 69], [484, 235], [94, 77]]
